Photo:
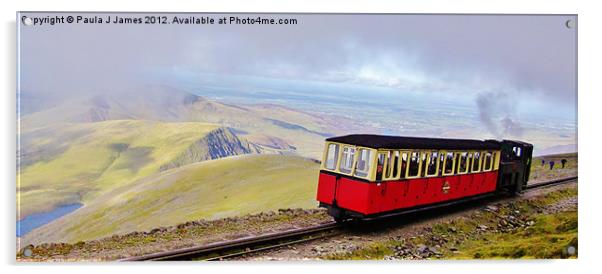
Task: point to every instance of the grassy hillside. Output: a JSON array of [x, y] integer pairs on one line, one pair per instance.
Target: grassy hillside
[[67, 163], [541, 172], [78, 151], [206, 190]]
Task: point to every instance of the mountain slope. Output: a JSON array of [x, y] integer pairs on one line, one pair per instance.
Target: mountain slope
[[77, 150], [276, 128], [206, 190], [75, 162], [219, 143]]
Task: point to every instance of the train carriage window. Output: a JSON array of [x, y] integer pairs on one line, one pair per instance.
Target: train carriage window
[[332, 156], [476, 162], [517, 151], [415, 164], [441, 162], [347, 159], [469, 161], [404, 164], [495, 160], [487, 161], [392, 165], [450, 162], [364, 159], [432, 164], [381, 164], [463, 163], [395, 164]]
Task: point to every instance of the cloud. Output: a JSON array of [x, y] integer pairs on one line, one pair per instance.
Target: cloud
[[430, 53]]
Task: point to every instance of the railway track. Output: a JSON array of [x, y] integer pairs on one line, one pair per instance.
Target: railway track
[[228, 249], [551, 183], [252, 244]]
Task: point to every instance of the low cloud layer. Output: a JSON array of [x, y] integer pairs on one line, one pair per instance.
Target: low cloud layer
[[434, 53]]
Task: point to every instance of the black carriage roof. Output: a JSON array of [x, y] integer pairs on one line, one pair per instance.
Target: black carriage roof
[[401, 142], [519, 143]]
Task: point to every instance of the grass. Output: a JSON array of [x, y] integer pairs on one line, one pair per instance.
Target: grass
[[372, 251], [548, 236], [543, 173], [192, 233], [66, 162], [213, 189], [110, 154]]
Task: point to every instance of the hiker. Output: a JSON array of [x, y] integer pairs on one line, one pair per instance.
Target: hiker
[[551, 165], [563, 162], [543, 162]]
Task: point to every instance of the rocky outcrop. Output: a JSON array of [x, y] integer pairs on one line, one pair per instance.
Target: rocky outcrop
[[219, 143]]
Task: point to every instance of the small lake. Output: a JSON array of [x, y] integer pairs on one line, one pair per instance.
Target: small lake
[[36, 220]]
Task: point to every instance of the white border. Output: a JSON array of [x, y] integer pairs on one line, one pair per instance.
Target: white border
[[589, 111]]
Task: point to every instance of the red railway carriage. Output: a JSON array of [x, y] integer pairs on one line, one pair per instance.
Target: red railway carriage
[[369, 175]]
